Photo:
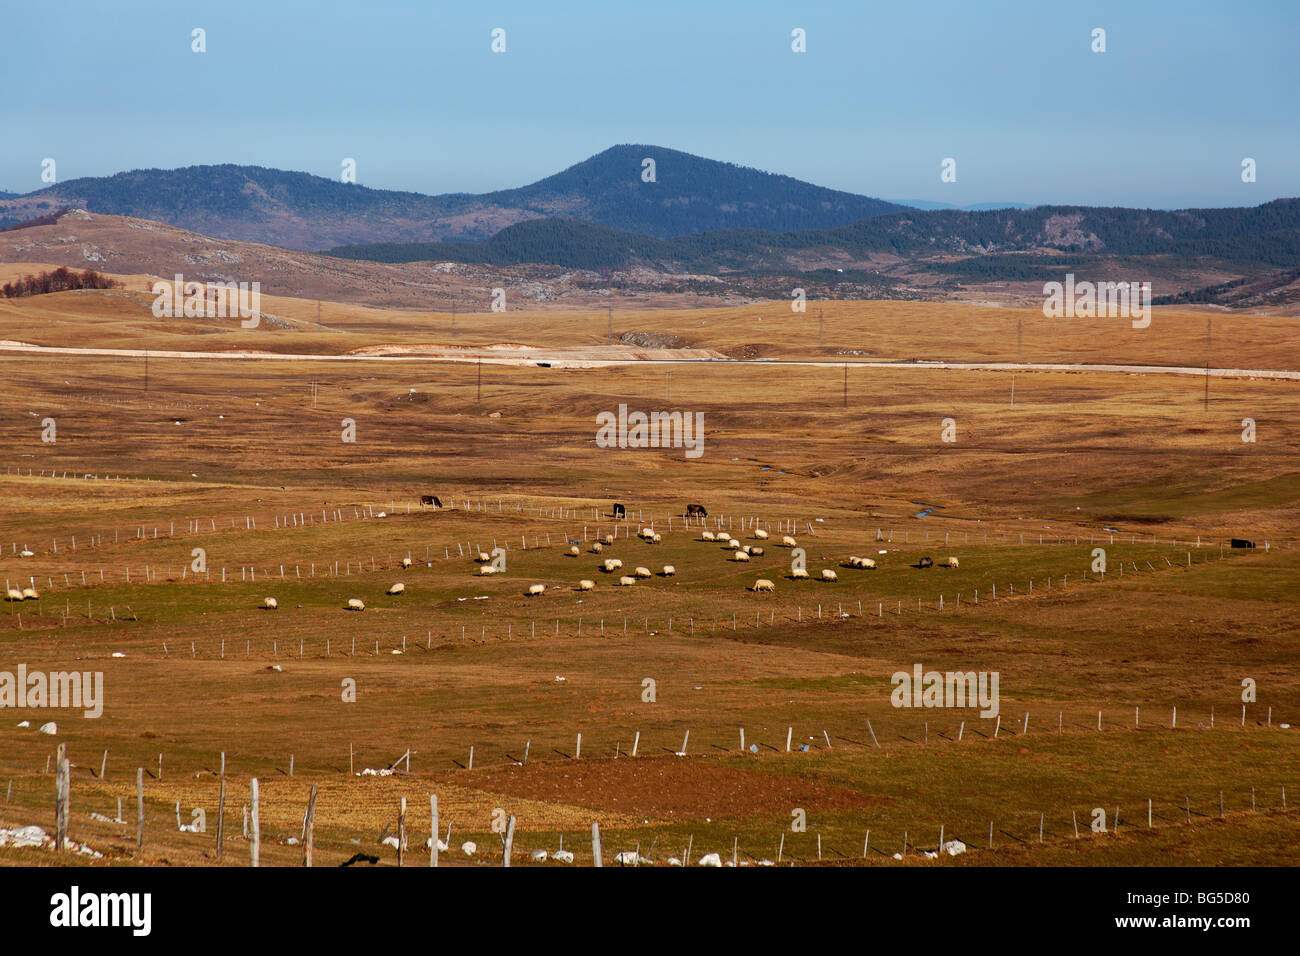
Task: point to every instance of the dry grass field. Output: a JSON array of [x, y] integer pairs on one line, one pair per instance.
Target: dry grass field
[[245, 460]]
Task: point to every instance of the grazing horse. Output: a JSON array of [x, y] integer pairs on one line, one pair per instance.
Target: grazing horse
[[925, 563], [696, 511], [620, 511], [430, 500]]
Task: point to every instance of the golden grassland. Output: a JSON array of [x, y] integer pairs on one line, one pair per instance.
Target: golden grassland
[[1022, 495]]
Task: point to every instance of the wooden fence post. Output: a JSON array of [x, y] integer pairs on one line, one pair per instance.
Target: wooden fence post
[[595, 843], [255, 848], [509, 840], [433, 841], [309, 827], [221, 817], [139, 808]]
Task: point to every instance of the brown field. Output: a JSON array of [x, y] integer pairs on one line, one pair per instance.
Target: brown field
[[843, 458]]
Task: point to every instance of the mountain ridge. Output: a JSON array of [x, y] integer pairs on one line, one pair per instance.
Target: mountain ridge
[[303, 211]]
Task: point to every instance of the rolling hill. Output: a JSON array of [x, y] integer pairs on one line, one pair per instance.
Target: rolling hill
[[298, 210], [1005, 243]]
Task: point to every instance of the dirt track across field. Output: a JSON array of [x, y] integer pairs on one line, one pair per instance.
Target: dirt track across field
[[599, 357]]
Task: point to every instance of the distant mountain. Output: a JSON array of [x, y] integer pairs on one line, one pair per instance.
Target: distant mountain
[[999, 244], [973, 207], [5, 195], [689, 194]]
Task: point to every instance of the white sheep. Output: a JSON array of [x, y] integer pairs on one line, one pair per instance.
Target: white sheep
[[596, 547], [740, 556], [867, 563], [271, 604], [799, 574], [748, 549], [612, 565], [760, 534], [536, 589], [487, 569], [829, 575], [706, 536], [669, 571], [585, 585], [733, 543], [484, 557], [953, 563], [24, 553], [562, 856], [763, 584], [626, 582], [642, 572], [647, 533], [397, 588], [356, 604], [658, 539], [469, 847], [30, 594], [789, 542], [406, 562], [573, 550], [538, 856], [711, 859], [13, 594], [609, 539], [756, 552]]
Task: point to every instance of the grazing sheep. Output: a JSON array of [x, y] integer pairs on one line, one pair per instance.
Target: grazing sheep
[[612, 564], [487, 569], [763, 584], [953, 563], [573, 550], [585, 585], [740, 556], [760, 534], [799, 574], [484, 557], [24, 553], [271, 604], [626, 582], [356, 604], [669, 571], [788, 541], [756, 552], [925, 563], [642, 572], [829, 575], [706, 536], [406, 562], [609, 539], [867, 563], [658, 539], [535, 590], [596, 548], [397, 588], [747, 549], [29, 594], [733, 543], [13, 594], [647, 533]]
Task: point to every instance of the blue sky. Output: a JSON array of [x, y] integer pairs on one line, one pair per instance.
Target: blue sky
[[884, 93]]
